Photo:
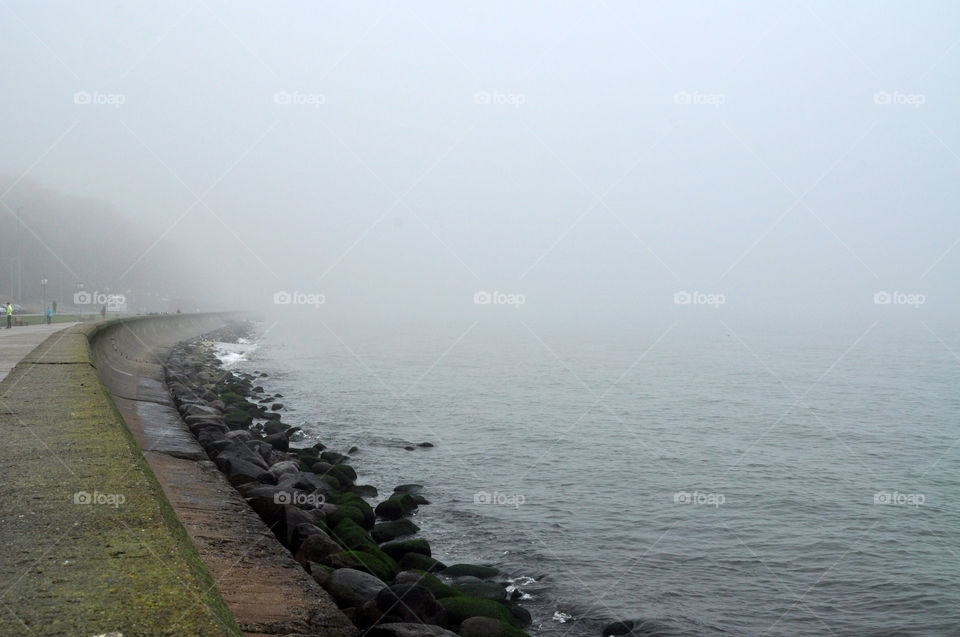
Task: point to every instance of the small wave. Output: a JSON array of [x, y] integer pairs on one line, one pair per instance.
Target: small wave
[[562, 617], [229, 354]]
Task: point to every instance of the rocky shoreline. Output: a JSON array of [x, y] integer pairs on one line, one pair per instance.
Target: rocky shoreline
[[368, 558]]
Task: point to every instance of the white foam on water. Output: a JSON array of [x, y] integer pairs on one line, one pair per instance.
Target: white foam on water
[[560, 616], [229, 354]]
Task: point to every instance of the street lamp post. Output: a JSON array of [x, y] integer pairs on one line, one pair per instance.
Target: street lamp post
[[19, 257]]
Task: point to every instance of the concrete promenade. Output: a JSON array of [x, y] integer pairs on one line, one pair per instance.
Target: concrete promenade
[[17, 342], [90, 544]]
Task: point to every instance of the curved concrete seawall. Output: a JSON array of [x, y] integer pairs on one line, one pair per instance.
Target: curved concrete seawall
[[111, 517]]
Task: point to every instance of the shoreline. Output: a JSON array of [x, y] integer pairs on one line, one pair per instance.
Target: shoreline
[[370, 559]]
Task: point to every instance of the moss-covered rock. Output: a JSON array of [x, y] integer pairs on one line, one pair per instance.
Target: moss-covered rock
[[364, 490], [420, 562], [344, 473], [351, 535], [237, 419], [333, 457], [396, 506], [365, 561], [484, 590], [488, 627], [461, 608], [429, 581], [398, 548], [355, 501], [343, 512], [386, 531]]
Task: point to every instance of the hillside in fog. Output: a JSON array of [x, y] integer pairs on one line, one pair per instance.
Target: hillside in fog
[[81, 243]]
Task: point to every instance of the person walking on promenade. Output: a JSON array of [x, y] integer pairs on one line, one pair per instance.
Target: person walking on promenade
[[48, 314], [9, 315], [103, 312]]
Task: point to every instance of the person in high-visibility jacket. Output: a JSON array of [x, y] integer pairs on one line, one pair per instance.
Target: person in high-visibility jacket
[[9, 315]]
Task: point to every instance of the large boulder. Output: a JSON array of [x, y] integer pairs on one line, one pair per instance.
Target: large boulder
[[396, 506], [353, 588], [483, 590], [316, 547], [483, 627], [408, 629], [461, 608], [351, 535], [412, 603], [374, 562], [240, 465], [285, 468], [431, 582], [398, 548], [420, 562]]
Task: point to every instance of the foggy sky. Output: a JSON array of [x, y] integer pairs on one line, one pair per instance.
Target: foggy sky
[[596, 158]]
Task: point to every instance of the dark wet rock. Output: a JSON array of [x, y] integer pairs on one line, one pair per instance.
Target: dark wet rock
[[284, 468], [396, 506], [321, 467], [200, 410], [274, 427], [386, 531], [279, 441], [292, 517], [432, 582], [521, 616], [408, 488], [364, 490], [333, 457], [241, 465], [408, 629], [420, 562], [213, 447], [398, 548], [409, 448], [319, 572], [276, 406], [300, 533], [195, 422], [316, 547], [412, 603], [241, 435], [303, 481], [615, 629], [425, 445], [353, 450], [350, 587], [473, 570], [484, 627]]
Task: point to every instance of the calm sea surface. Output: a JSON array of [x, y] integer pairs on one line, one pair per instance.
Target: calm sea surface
[[704, 480]]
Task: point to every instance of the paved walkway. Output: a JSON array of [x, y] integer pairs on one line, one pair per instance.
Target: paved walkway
[[90, 544], [17, 342]]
